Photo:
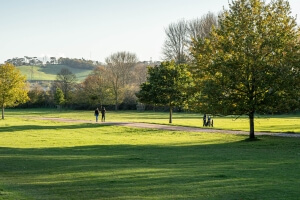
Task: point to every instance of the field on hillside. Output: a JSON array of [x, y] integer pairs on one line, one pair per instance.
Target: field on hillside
[[49, 72], [55, 160]]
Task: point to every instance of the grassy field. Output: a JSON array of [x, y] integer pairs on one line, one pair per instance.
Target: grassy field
[[54, 160], [49, 72], [276, 123]]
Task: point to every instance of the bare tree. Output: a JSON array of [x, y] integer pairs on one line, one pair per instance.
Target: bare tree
[[119, 67], [175, 47], [200, 28], [140, 73], [180, 35], [65, 79]]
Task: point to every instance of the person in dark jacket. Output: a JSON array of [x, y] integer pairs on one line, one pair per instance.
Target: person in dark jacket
[[204, 120], [103, 114], [97, 114]]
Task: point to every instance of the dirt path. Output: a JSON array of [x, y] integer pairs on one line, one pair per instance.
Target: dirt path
[[170, 128]]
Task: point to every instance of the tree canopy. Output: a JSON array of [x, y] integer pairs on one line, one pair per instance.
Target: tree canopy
[[119, 68], [166, 85], [13, 88], [96, 87], [250, 64], [77, 63]]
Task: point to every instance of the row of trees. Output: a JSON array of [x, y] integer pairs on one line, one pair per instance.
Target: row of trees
[[24, 61], [249, 62], [245, 62], [77, 63], [112, 84], [71, 62]]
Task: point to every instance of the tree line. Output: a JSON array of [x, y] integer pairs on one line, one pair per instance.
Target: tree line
[[112, 85], [78, 63], [71, 62], [24, 61], [244, 61]]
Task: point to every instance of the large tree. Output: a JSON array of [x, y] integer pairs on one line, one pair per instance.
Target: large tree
[[166, 85], [96, 88], [13, 88], [250, 64], [119, 67]]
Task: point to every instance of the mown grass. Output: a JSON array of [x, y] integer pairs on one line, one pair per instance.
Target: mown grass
[[49, 72], [266, 123], [54, 160]]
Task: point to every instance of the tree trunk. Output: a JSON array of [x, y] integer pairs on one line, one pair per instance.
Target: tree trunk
[[116, 105], [170, 118], [251, 119], [2, 111]]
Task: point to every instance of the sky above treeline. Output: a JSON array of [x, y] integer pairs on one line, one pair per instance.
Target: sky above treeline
[[95, 29]]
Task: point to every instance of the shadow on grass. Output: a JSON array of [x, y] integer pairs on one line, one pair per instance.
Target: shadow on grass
[[219, 171], [43, 127], [251, 140]]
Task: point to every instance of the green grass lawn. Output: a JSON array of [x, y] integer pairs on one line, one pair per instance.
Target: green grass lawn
[[275, 123], [49, 72], [54, 160]]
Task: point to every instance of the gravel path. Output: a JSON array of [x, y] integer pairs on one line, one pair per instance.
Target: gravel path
[[171, 128]]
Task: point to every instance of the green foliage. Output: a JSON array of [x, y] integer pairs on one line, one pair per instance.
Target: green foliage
[[167, 85], [37, 96], [13, 88], [59, 97], [251, 62], [77, 63], [95, 89]]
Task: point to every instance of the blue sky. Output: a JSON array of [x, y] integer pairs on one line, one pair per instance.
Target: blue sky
[[94, 29]]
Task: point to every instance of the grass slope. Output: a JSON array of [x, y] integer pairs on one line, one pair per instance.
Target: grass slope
[[52, 160], [49, 72]]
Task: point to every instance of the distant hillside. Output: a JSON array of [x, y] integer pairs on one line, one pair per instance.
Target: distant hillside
[[49, 72]]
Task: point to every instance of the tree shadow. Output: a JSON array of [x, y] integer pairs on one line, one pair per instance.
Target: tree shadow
[[236, 170], [44, 127]]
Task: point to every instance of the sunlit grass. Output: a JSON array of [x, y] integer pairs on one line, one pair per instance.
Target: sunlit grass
[[30, 133], [55, 160], [49, 72], [270, 123]]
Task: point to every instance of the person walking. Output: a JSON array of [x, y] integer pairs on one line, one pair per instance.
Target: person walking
[[103, 114], [208, 121], [204, 120], [97, 114]]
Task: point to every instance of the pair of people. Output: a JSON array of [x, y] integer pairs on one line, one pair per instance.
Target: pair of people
[[208, 122], [102, 114]]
